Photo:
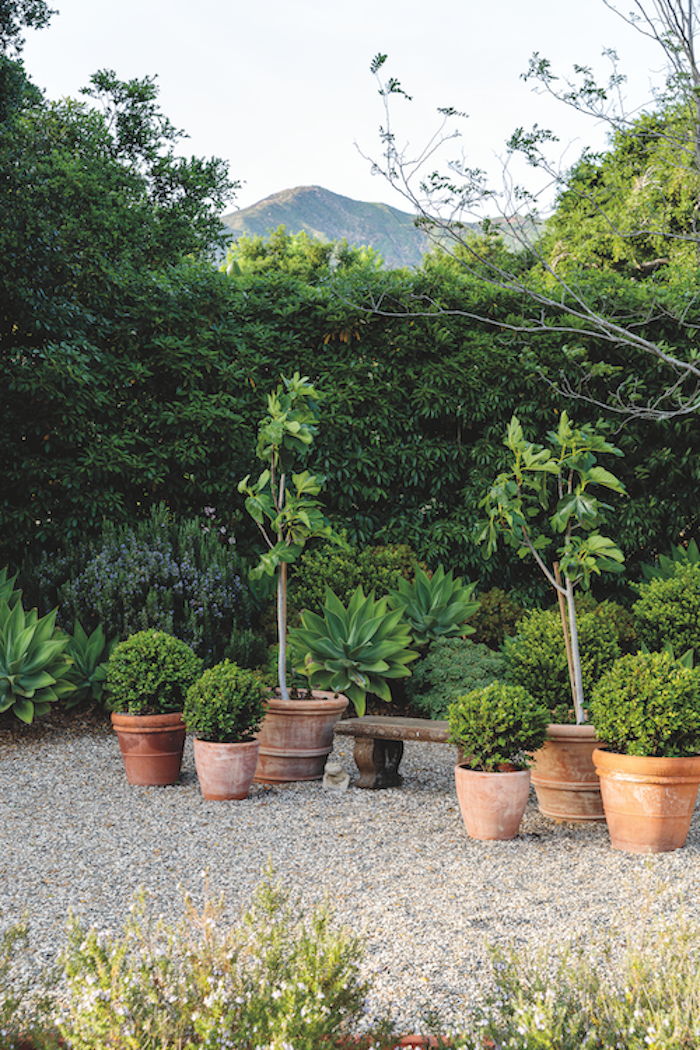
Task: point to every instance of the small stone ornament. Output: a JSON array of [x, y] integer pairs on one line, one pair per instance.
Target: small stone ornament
[[335, 777]]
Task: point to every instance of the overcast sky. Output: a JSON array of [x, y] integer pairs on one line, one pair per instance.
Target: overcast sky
[[281, 89]]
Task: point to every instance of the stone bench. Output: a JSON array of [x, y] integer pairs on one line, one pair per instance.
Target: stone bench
[[379, 745]]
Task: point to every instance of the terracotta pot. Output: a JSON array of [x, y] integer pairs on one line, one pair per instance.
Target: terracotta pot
[[296, 736], [225, 771], [648, 802], [563, 774], [492, 804], [151, 746]]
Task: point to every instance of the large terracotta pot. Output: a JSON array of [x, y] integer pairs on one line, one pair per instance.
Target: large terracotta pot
[[563, 774], [151, 746], [296, 736], [648, 802], [492, 804], [225, 771]]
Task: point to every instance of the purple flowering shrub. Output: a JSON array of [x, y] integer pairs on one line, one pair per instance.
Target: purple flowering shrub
[[177, 577]]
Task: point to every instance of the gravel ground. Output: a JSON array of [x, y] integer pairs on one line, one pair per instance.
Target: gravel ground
[[396, 864]]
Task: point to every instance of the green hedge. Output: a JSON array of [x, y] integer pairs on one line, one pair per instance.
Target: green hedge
[[152, 388]]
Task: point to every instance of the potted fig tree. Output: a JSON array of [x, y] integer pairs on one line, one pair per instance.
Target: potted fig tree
[[297, 733], [646, 710], [544, 505], [224, 709], [148, 676], [495, 728]]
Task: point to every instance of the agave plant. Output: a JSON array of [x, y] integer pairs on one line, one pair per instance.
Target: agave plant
[[665, 567], [7, 588], [353, 651], [435, 607], [33, 664], [89, 670]]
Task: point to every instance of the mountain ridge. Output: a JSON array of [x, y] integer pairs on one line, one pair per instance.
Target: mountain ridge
[[330, 216]]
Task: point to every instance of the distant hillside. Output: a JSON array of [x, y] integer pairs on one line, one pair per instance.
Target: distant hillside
[[330, 217]]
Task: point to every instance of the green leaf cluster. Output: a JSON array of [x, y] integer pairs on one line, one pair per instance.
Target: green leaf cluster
[[88, 672], [292, 512], [435, 606], [668, 609], [450, 668], [498, 615], [648, 704], [353, 650], [225, 705], [536, 656], [34, 665], [343, 569], [497, 726], [149, 673], [546, 492], [665, 566]]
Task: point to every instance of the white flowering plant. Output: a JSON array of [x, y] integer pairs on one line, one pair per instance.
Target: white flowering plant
[[635, 987], [24, 1012], [277, 979]]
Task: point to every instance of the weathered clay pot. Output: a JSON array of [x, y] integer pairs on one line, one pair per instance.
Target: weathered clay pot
[[225, 771], [648, 802], [151, 747], [563, 774], [296, 736], [492, 804]]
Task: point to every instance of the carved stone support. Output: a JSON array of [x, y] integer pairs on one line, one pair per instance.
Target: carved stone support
[[378, 763]]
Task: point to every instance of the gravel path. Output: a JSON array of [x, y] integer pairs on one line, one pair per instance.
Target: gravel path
[[396, 864]]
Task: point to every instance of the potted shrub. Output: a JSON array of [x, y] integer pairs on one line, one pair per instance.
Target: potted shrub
[[224, 708], [495, 727], [148, 676], [646, 710], [544, 502], [297, 733]]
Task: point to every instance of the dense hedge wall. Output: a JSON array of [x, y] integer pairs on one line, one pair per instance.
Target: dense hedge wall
[[153, 392]]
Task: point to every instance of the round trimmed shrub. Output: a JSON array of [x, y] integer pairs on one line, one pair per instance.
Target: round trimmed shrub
[[536, 657], [225, 705], [451, 667], [149, 674], [498, 615], [668, 610], [377, 569], [648, 704], [497, 726]]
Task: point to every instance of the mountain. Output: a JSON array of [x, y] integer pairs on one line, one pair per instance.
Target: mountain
[[330, 217]]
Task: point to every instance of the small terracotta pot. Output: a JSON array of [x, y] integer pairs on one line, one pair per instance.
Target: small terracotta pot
[[225, 771], [151, 747], [648, 802], [492, 804], [563, 774], [296, 736]]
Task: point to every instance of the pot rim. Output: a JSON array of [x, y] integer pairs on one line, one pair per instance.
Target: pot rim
[[170, 718], [464, 769], [318, 701], [606, 761]]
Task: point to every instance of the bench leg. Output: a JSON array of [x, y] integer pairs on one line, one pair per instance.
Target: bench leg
[[378, 763]]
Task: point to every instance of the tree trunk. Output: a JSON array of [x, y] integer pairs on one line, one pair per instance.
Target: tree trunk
[[282, 629], [577, 682]]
